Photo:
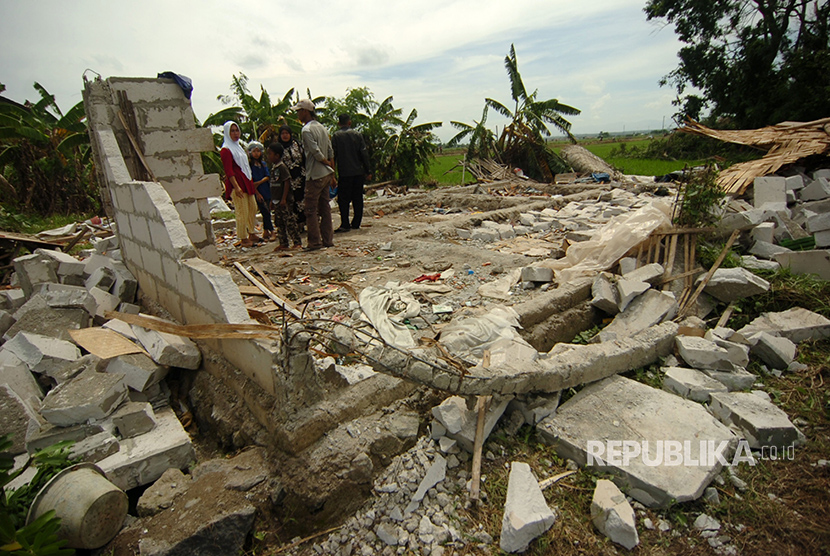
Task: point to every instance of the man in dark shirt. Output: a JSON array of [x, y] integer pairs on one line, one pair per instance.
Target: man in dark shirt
[[353, 169]]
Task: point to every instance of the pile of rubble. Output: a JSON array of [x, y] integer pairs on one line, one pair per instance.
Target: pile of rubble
[[69, 373]]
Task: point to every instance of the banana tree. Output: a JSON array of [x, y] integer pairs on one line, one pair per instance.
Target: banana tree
[[482, 142], [45, 156], [523, 140], [406, 154]]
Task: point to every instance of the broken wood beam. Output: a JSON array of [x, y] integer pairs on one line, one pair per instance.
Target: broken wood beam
[[475, 486], [284, 304]]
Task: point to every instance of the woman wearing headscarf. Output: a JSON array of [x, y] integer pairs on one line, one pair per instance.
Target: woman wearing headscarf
[[238, 184], [294, 159]]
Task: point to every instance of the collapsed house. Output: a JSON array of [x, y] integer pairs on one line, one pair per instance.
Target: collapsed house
[[340, 430]]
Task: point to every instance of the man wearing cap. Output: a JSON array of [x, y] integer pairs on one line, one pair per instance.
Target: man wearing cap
[[319, 171], [352, 159]]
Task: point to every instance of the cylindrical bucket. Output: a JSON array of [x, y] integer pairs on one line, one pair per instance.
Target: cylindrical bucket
[[91, 509]]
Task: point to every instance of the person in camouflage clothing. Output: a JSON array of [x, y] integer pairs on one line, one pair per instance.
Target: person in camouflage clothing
[[285, 222]]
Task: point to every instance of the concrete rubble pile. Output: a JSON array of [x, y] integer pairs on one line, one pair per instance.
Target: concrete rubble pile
[[116, 409]]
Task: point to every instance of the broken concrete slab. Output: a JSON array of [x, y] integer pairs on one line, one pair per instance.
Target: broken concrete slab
[[735, 380], [133, 418], [628, 290], [50, 322], [690, 383], [605, 294], [460, 422], [42, 354], [797, 324], [648, 309], [90, 395], [126, 285], [62, 296], [776, 351], [651, 273], [738, 353], [142, 459], [766, 250], [613, 516], [818, 222], [753, 263], [760, 421], [526, 512], [42, 434], [169, 349], [764, 232], [816, 261], [93, 449], [701, 353], [641, 435], [6, 321], [731, 284], [70, 369], [15, 415], [104, 301], [139, 371], [102, 277], [16, 374], [11, 300]]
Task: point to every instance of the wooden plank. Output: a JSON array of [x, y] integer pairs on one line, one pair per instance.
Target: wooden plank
[[481, 407], [709, 274], [271, 295], [104, 343]]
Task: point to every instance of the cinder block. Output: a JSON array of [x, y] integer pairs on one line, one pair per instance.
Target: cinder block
[[122, 198], [816, 261], [770, 191], [818, 223], [6, 321], [12, 299], [105, 301], [216, 291], [151, 262], [161, 117], [174, 141], [114, 166], [188, 211], [537, 274], [197, 232], [140, 229], [133, 419], [102, 277], [193, 187], [41, 353], [66, 265], [764, 232], [17, 375], [823, 238], [35, 269], [794, 183], [15, 415], [816, 191], [122, 222], [165, 168], [63, 296], [125, 286], [140, 371], [94, 262], [169, 349], [145, 89]]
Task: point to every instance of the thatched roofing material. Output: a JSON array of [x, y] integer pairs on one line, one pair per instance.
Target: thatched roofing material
[[787, 142]]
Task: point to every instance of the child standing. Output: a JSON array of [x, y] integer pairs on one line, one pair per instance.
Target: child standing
[[282, 199], [260, 177]]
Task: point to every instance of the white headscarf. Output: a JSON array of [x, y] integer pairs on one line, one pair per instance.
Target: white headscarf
[[239, 155]]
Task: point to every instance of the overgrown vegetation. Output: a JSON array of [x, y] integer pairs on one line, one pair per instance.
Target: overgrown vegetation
[[698, 198], [45, 159], [38, 538]]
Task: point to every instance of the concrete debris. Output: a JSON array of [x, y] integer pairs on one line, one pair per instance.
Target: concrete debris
[[651, 273], [161, 494], [143, 458], [169, 349], [42, 354], [795, 324], [760, 422], [605, 294], [15, 415], [690, 383], [526, 512], [701, 353], [613, 516], [776, 351], [93, 449], [34, 269], [731, 284], [629, 290], [736, 379], [460, 422], [133, 419], [436, 473], [15, 373], [600, 418], [139, 371], [647, 310], [90, 395]]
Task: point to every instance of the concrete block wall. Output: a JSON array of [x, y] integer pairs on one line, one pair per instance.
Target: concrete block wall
[[171, 144], [156, 246]]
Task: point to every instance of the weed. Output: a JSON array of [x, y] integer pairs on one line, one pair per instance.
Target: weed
[[698, 199]]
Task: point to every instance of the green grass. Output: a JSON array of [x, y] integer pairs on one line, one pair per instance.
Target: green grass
[[444, 162], [13, 221]]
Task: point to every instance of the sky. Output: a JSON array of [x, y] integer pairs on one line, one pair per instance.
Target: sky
[[441, 57]]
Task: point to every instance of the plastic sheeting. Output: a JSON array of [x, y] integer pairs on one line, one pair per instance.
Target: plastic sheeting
[[496, 332], [500, 289], [375, 303], [608, 244]]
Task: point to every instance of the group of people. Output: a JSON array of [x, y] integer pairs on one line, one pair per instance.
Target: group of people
[[288, 175]]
